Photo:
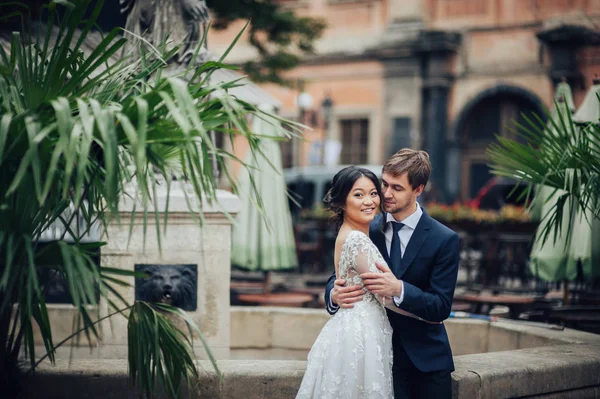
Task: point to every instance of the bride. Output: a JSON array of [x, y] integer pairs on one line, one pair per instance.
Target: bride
[[352, 356]]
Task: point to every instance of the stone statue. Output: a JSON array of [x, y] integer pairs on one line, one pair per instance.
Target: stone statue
[[181, 22], [171, 284]]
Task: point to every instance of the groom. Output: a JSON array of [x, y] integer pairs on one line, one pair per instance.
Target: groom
[[423, 257]]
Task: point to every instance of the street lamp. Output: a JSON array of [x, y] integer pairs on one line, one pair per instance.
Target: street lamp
[[305, 102], [327, 109]]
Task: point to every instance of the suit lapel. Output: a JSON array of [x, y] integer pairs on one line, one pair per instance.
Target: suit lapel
[[414, 245]]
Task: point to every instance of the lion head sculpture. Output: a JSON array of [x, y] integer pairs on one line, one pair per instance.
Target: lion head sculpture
[[175, 285]]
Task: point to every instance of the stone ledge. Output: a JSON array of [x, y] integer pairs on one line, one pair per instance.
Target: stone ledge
[[275, 327], [567, 335], [527, 372], [540, 372], [261, 328]]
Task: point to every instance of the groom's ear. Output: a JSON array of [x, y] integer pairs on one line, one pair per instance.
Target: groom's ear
[[419, 190]]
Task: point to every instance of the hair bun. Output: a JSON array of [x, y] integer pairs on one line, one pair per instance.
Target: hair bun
[[327, 197]]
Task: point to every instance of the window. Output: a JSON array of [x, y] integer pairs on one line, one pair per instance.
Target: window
[[286, 146], [301, 195], [218, 139], [495, 116], [479, 176], [400, 135], [492, 116], [355, 140], [287, 156]]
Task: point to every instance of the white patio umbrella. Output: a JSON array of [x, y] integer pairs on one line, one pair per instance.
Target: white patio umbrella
[[585, 229], [548, 261], [264, 242]]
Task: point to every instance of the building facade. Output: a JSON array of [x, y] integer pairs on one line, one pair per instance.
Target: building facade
[[442, 75]]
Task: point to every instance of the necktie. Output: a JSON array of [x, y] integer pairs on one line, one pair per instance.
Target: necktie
[[395, 249]]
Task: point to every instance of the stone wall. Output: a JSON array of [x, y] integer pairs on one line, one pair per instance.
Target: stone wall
[[284, 333], [567, 367], [493, 360], [274, 332], [185, 242]]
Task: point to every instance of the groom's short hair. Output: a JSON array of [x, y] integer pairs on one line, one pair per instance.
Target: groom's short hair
[[414, 162]]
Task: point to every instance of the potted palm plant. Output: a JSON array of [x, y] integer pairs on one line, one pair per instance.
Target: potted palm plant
[[562, 157], [77, 127]]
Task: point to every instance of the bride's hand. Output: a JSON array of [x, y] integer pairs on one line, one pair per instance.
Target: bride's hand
[[345, 297]]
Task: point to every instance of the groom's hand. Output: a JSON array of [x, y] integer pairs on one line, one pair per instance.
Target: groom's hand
[[345, 297], [384, 284]]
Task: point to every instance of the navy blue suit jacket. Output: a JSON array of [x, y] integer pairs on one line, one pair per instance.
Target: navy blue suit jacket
[[429, 269]]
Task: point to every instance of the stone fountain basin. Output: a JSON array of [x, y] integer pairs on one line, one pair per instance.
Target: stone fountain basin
[[269, 345]]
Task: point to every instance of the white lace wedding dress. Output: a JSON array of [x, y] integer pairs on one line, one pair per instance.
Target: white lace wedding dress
[[352, 356]]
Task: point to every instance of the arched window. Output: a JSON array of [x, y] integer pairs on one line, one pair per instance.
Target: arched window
[[493, 112]]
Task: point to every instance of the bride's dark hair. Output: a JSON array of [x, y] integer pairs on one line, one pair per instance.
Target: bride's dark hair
[[342, 183]]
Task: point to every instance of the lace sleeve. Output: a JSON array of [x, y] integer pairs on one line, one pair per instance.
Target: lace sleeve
[[358, 245], [361, 256], [362, 262]]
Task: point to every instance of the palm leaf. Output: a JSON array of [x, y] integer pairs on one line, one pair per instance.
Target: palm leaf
[[155, 342], [559, 155], [78, 132]]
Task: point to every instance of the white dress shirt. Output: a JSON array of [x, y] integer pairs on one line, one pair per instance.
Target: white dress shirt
[[405, 233]]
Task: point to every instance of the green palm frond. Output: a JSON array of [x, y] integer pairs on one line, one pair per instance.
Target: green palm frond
[[159, 354], [79, 130], [559, 154]]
